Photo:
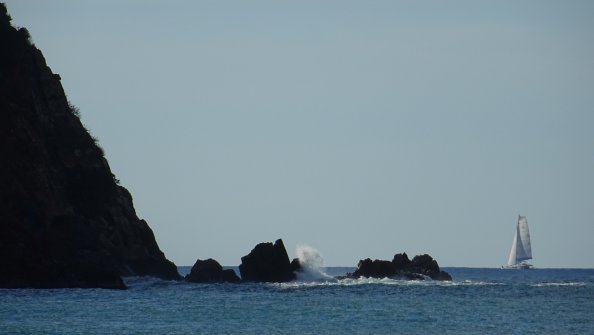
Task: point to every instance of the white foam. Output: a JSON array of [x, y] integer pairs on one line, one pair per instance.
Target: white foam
[[560, 284], [379, 281], [312, 265]]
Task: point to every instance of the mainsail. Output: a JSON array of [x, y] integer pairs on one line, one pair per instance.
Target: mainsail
[[521, 249]]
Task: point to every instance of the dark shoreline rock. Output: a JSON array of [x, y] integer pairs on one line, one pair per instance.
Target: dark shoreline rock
[[296, 265], [267, 262], [376, 269], [419, 268], [64, 219], [210, 271]]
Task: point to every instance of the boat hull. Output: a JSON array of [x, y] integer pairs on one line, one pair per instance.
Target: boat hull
[[519, 266]]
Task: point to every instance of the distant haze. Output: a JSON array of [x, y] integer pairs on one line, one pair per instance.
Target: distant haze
[[361, 128]]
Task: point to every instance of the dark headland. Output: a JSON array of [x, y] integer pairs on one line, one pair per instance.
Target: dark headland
[[64, 219]]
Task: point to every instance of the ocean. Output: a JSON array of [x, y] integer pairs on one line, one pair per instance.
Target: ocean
[[478, 301]]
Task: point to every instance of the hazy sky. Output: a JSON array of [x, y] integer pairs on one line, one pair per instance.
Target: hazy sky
[[361, 128]]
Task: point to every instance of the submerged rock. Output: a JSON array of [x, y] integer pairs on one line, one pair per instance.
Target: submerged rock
[[267, 262], [64, 219], [401, 267], [210, 271]]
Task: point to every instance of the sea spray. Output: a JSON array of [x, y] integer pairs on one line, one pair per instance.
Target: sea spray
[[312, 264]]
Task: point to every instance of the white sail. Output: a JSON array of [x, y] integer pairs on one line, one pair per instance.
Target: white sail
[[521, 249], [524, 247]]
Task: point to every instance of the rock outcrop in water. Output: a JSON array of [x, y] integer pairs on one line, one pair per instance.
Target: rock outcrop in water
[[267, 262], [210, 271], [296, 265], [419, 268], [64, 220]]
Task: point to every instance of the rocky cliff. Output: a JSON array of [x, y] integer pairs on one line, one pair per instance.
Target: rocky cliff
[[64, 220]]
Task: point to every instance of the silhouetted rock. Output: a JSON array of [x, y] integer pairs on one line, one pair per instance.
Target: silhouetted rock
[[376, 268], [401, 261], [267, 262], [64, 220], [296, 265], [401, 267], [229, 276], [427, 266], [210, 271]]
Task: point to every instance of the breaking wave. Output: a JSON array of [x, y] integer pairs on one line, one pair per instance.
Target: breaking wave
[[312, 265]]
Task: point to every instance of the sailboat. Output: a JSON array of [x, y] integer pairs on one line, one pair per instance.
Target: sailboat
[[521, 249]]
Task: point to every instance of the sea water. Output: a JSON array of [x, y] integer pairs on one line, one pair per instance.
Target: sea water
[[478, 301]]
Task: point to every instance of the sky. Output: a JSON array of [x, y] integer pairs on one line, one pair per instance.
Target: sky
[[360, 128]]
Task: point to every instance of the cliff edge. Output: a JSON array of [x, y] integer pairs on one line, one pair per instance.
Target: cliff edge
[[64, 220]]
